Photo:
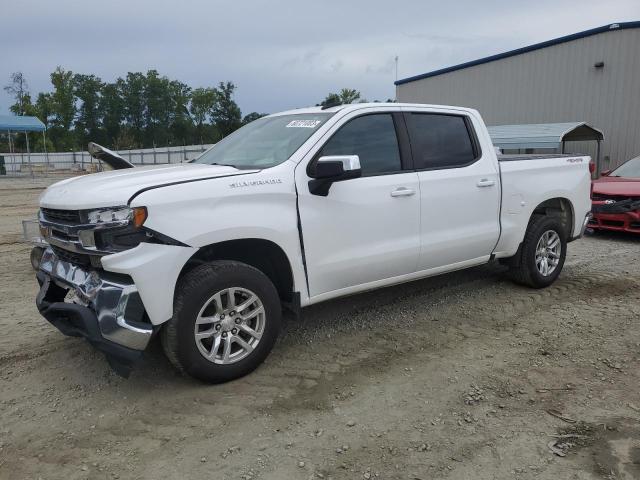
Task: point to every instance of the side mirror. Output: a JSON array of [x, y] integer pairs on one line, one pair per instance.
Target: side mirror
[[330, 169], [604, 173]]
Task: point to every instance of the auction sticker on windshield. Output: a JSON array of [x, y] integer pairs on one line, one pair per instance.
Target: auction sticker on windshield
[[303, 123]]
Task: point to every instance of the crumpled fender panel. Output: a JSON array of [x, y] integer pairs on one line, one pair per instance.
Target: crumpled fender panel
[[155, 269]]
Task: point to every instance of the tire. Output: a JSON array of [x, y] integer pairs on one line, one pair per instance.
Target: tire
[[526, 270], [205, 293]]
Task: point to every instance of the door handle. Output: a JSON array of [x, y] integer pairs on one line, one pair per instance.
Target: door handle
[[485, 182], [403, 192]]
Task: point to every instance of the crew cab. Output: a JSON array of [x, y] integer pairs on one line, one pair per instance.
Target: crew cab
[[294, 209]]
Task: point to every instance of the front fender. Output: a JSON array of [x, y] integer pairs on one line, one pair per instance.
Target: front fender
[[154, 269], [217, 210]]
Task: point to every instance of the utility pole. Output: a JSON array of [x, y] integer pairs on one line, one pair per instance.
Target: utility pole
[[396, 60], [395, 93]]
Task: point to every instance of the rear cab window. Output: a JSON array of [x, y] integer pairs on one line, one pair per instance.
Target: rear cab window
[[441, 140]]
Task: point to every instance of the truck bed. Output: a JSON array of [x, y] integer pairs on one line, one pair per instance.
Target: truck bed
[[526, 184]]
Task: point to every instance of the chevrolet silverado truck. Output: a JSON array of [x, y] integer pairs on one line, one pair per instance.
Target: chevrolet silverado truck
[[294, 209]]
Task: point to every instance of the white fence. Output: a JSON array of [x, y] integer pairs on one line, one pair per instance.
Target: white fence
[[64, 162]]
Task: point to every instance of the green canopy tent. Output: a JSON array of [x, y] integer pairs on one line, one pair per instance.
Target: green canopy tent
[[11, 123]]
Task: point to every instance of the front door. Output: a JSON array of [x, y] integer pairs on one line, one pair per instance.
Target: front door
[[366, 229]]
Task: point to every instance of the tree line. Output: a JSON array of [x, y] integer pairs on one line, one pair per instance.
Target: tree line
[[141, 110]]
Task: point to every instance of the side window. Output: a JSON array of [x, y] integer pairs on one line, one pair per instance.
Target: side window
[[372, 138], [440, 141]]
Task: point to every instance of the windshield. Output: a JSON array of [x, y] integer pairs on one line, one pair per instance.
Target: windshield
[[265, 142], [629, 169]]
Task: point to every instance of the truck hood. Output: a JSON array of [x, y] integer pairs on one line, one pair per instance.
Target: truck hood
[[617, 186], [108, 189]]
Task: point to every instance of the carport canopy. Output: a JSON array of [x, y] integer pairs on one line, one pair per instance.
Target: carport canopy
[[542, 135], [11, 123], [24, 124]]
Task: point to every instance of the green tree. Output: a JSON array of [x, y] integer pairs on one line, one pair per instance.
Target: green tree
[[202, 102], [250, 117], [44, 108], [225, 113], [331, 99], [140, 110], [349, 95], [181, 126], [19, 90], [344, 97], [112, 112], [87, 89], [158, 108], [135, 105], [167, 119], [63, 108]]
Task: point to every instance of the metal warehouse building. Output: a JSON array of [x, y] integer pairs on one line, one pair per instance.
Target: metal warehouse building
[[591, 76]]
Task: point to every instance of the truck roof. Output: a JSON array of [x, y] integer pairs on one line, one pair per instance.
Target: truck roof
[[358, 106]]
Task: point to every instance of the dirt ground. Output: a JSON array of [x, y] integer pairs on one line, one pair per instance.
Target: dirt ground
[[451, 377]]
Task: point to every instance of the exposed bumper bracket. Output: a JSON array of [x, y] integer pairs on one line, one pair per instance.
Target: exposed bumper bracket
[[108, 312]]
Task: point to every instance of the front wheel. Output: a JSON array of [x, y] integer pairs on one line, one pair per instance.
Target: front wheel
[[226, 320], [542, 253]]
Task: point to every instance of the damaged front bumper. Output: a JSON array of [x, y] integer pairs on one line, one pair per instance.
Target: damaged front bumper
[[622, 216], [106, 309]]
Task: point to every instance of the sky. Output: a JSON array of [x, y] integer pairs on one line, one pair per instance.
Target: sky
[[281, 54]]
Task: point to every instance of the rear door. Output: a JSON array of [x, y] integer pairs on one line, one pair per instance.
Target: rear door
[[459, 189], [366, 229]]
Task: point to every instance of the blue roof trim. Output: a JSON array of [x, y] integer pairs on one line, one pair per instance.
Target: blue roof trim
[[20, 124], [518, 51]]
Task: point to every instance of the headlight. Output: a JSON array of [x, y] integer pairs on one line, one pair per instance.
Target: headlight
[[118, 215]]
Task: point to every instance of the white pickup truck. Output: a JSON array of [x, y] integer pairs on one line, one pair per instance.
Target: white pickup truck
[[294, 209]]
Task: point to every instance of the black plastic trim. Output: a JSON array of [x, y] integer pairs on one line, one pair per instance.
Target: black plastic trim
[[301, 238], [402, 133], [295, 305], [164, 239]]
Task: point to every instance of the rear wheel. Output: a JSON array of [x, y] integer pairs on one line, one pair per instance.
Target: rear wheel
[[542, 253], [226, 320]]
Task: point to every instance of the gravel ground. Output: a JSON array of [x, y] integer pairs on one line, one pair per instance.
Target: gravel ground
[[462, 376]]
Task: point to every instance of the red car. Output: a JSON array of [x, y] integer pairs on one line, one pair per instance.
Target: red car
[[616, 199]]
